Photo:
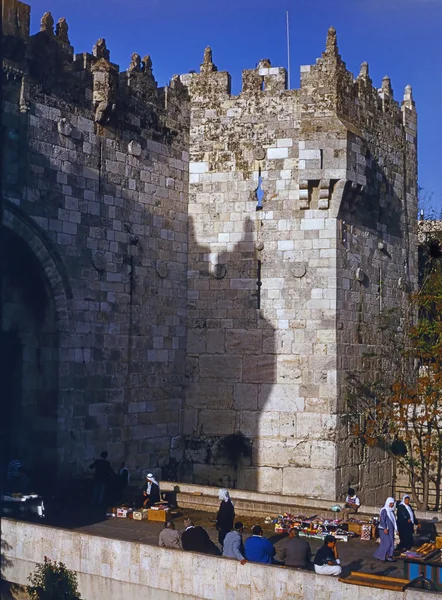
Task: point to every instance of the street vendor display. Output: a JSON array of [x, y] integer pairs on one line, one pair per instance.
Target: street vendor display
[[14, 502], [312, 527], [426, 561], [318, 527]]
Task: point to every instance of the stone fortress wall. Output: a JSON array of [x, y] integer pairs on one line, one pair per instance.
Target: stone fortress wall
[[96, 164], [222, 260]]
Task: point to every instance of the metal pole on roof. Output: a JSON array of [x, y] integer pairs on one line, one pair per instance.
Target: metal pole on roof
[[288, 48]]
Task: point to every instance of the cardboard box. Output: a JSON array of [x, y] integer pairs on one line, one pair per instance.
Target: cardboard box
[[158, 515], [123, 512], [357, 528], [140, 515]]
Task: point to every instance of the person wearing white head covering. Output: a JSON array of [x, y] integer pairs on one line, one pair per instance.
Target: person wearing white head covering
[[406, 520], [151, 491], [225, 516], [387, 527]]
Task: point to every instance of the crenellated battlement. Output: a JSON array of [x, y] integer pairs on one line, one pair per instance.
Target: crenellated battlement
[[93, 82], [129, 100]]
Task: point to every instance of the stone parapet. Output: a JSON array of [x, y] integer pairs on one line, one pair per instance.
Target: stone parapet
[[112, 569]]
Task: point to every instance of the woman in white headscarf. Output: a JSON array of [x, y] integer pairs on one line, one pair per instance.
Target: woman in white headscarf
[[406, 521], [387, 527], [225, 516]]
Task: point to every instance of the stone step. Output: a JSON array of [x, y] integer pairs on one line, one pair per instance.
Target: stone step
[[247, 503]]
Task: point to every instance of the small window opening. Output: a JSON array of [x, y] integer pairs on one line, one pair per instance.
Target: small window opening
[[259, 192]]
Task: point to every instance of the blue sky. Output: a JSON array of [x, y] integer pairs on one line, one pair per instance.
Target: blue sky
[[398, 38]]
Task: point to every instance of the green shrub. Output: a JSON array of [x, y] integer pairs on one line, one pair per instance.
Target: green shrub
[[53, 581]]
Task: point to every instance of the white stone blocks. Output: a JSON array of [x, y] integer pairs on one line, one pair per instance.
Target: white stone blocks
[[316, 483], [276, 153], [198, 167], [312, 224], [278, 397], [309, 154], [286, 245], [284, 143]]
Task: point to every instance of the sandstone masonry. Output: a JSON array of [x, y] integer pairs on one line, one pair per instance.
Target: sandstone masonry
[[213, 265]]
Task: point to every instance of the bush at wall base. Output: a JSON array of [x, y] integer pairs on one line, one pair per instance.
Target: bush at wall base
[[53, 581]]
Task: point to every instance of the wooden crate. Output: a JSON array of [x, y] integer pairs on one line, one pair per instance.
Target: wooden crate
[[157, 515]]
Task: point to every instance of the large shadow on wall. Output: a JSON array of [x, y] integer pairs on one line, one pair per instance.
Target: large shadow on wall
[[28, 361], [373, 229], [231, 364]]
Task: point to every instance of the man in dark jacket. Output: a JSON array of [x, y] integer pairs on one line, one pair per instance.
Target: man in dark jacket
[[103, 473], [296, 552], [197, 539]]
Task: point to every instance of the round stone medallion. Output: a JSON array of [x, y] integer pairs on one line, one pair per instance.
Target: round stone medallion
[[220, 271], [161, 268], [99, 260]]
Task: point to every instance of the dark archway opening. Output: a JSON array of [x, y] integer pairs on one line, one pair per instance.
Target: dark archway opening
[[29, 356]]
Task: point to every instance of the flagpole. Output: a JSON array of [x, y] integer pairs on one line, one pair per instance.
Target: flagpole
[[288, 48]]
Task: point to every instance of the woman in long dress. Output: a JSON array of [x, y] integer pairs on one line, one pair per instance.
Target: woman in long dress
[[387, 527], [225, 516], [406, 521]]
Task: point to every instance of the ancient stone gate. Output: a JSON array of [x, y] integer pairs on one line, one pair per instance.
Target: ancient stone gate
[[221, 260]]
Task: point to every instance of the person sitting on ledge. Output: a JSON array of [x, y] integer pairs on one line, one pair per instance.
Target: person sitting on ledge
[[352, 504], [197, 539], [233, 544], [258, 548], [296, 552], [170, 537], [151, 491], [326, 560]]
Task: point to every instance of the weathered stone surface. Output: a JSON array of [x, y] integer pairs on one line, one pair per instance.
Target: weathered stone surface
[[220, 367], [317, 483], [259, 369], [280, 398], [197, 261]]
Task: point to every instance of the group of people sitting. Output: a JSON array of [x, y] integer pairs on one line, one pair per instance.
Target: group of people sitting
[[296, 552]]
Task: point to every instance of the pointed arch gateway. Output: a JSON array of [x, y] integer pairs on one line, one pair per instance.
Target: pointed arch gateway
[[35, 293]]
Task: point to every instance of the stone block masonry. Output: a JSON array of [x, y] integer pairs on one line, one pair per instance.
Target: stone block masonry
[[275, 282], [97, 162], [216, 258]]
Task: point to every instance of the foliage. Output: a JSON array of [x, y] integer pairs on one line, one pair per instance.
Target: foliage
[[396, 404], [53, 581]]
